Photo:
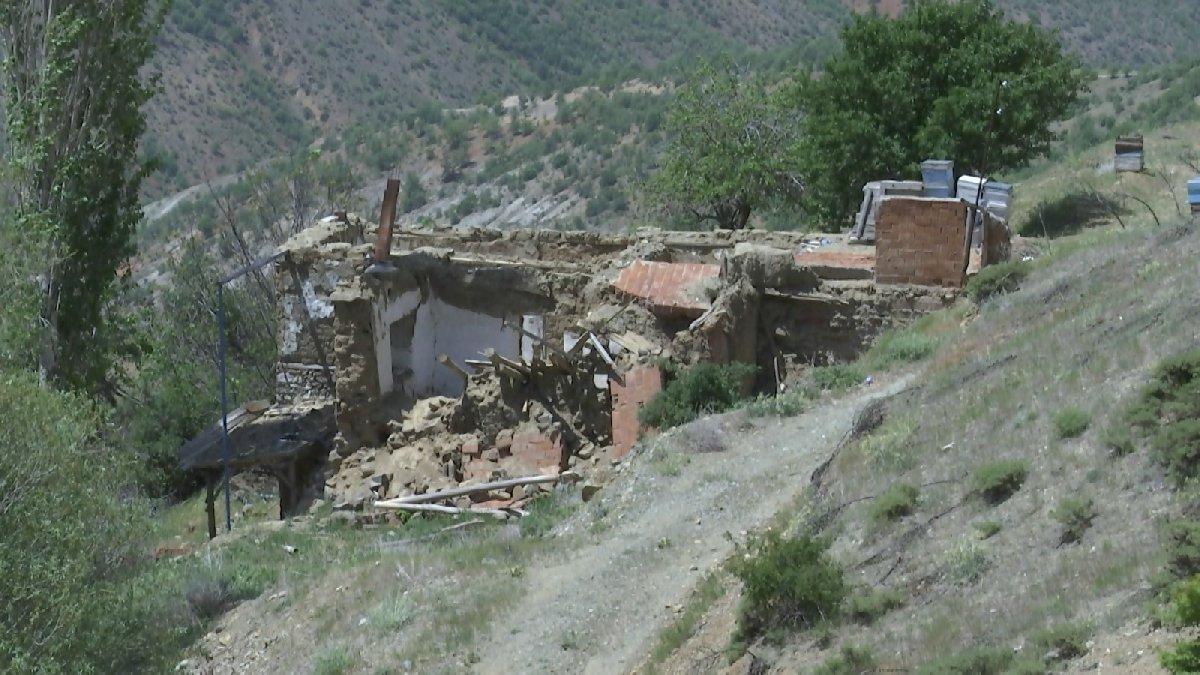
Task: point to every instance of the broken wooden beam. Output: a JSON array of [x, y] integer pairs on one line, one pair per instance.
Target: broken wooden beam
[[449, 363], [601, 351], [437, 508], [465, 490]]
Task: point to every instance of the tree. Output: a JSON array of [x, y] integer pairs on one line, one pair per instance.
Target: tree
[[74, 119], [726, 157], [945, 80], [414, 195]]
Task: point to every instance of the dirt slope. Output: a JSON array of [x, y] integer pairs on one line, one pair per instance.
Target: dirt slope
[[599, 609]]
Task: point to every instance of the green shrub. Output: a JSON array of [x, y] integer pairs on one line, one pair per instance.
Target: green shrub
[[1184, 658], [787, 404], [901, 347], [987, 528], [702, 389], [978, 661], [1071, 422], [70, 537], [966, 561], [1062, 642], [851, 661], [787, 583], [1185, 610], [334, 661], [1168, 412], [996, 279], [1075, 514], [867, 606], [837, 377], [897, 501], [1183, 547], [1177, 446], [997, 481], [1119, 440]]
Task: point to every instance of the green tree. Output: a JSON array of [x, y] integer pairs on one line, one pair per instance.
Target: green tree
[[728, 155], [414, 195], [74, 118], [949, 80], [67, 534]]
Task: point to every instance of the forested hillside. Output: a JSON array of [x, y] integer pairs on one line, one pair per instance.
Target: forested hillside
[[247, 81]]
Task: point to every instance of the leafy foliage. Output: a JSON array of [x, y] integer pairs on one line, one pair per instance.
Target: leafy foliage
[[787, 583], [1071, 422], [851, 661], [1075, 514], [954, 80], [1185, 608], [74, 96], [702, 389], [997, 481], [867, 606], [897, 501], [993, 280], [69, 534], [725, 159], [837, 377], [1168, 411]]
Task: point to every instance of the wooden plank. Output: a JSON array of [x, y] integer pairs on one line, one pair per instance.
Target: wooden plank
[[465, 490]]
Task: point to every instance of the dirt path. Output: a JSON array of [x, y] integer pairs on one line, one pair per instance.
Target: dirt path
[[600, 608]]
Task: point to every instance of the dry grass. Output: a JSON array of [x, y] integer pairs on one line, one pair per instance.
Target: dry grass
[[1082, 335]]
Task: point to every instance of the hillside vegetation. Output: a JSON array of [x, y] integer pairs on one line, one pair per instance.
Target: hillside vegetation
[[249, 81]]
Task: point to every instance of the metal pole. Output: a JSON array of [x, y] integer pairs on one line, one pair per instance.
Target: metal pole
[[224, 402]]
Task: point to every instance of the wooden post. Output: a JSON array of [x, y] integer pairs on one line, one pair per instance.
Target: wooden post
[[210, 506]]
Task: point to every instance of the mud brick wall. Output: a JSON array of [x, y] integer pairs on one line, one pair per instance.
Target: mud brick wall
[[629, 396], [921, 241]]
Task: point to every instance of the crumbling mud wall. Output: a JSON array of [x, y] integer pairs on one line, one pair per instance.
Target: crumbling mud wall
[[312, 266], [477, 355]]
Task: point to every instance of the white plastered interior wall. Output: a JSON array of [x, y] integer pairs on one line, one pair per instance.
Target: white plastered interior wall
[[438, 327]]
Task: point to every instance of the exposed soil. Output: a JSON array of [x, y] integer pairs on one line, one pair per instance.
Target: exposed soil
[[600, 608]]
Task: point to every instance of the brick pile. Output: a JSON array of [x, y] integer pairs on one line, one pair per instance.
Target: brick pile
[[921, 241]]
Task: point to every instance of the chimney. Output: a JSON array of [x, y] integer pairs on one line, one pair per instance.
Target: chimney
[[387, 217]]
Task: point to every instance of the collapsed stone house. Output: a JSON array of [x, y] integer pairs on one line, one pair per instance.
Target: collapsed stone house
[[441, 357]]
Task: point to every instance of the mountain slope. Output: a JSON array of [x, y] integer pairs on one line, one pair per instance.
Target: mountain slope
[[248, 81]]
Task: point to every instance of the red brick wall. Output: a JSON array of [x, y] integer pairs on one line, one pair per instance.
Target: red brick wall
[[921, 241], [640, 385]]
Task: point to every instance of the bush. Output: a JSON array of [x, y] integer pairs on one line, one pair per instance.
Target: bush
[[897, 501], [1119, 440], [852, 661], [996, 279], [1185, 610], [1071, 422], [703, 389], [838, 377], [866, 607], [787, 404], [987, 528], [979, 661], [787, 583], [1168, 412], [1183, 547], [997, 481], [1062, 642], [966, 561], [900, 347], [1076, 516], [70, 536]]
